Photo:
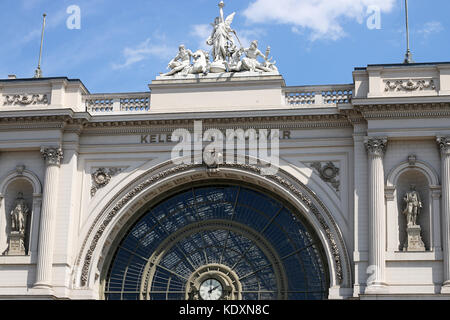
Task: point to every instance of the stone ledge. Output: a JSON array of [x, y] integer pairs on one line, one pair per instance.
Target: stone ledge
[[217, 78], [413, 256]]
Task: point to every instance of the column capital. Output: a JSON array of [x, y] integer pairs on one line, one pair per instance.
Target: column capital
[[376, 146], [444, 144], [52, 155]]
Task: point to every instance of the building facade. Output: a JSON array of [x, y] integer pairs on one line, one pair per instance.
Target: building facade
[[94, 205]]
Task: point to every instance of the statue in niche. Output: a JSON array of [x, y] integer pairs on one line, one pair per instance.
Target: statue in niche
[[413, 206], [19, 215]]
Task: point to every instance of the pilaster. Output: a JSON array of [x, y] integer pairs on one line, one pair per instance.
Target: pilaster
[[52, 157], [444, 145], [376, 148]]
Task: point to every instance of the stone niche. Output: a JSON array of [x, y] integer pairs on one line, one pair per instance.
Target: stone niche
[[419, 180], [13, 189]]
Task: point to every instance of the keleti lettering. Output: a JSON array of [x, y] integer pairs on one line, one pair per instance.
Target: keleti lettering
[[156, 138], [167, 138]]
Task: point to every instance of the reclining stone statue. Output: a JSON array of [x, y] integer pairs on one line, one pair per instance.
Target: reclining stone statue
[[181, 62]]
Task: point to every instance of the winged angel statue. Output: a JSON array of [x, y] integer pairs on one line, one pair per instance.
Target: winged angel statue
[[226, 55], [221, 38]]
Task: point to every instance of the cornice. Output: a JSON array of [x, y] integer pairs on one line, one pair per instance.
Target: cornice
[[85, 123], [404, 111], [346, 118], [353, 116], [39, 122], [295, 122]]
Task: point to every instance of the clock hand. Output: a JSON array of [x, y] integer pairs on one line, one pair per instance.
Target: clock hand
[[210, 291]]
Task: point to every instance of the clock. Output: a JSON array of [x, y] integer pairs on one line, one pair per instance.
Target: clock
[[211, 289]]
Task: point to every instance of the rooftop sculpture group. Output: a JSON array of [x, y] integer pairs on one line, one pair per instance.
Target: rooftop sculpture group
[[226, 56]]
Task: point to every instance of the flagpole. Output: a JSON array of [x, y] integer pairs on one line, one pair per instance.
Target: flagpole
[[408, 56], [38, 72]]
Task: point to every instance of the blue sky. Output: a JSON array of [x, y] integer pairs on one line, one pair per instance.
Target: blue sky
[[122, 45]]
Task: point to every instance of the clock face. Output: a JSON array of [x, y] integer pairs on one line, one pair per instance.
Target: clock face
[[211, 289]]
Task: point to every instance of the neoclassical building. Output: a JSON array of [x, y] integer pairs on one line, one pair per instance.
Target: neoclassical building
[[96, 203]]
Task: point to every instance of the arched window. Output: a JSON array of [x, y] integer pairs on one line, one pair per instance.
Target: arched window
[[218, 242]]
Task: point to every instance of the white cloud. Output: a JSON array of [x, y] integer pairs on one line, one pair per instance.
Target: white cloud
[[143, 51], [323, 18], [248, 35], [430, 28], [202, 32]]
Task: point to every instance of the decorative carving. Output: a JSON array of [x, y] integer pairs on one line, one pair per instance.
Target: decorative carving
[[101, 178], [20, 169], [412, 211], [26, 99], [213, 160], [226, 57], [19, 216], [412, 160], [328, 173], [376, 146], [52, 155], [409, 85], [335, 252], [444, 144]]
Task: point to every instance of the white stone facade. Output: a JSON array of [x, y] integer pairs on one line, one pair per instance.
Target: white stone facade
[[86, 163]]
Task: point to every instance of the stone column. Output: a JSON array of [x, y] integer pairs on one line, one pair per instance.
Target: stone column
[[52, 157], [376, 148], [444, 145]]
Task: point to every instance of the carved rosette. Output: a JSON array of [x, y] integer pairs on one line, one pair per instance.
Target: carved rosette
[[328, 173], [444, 144], [376, 147], [101, 178], [52, 155]]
